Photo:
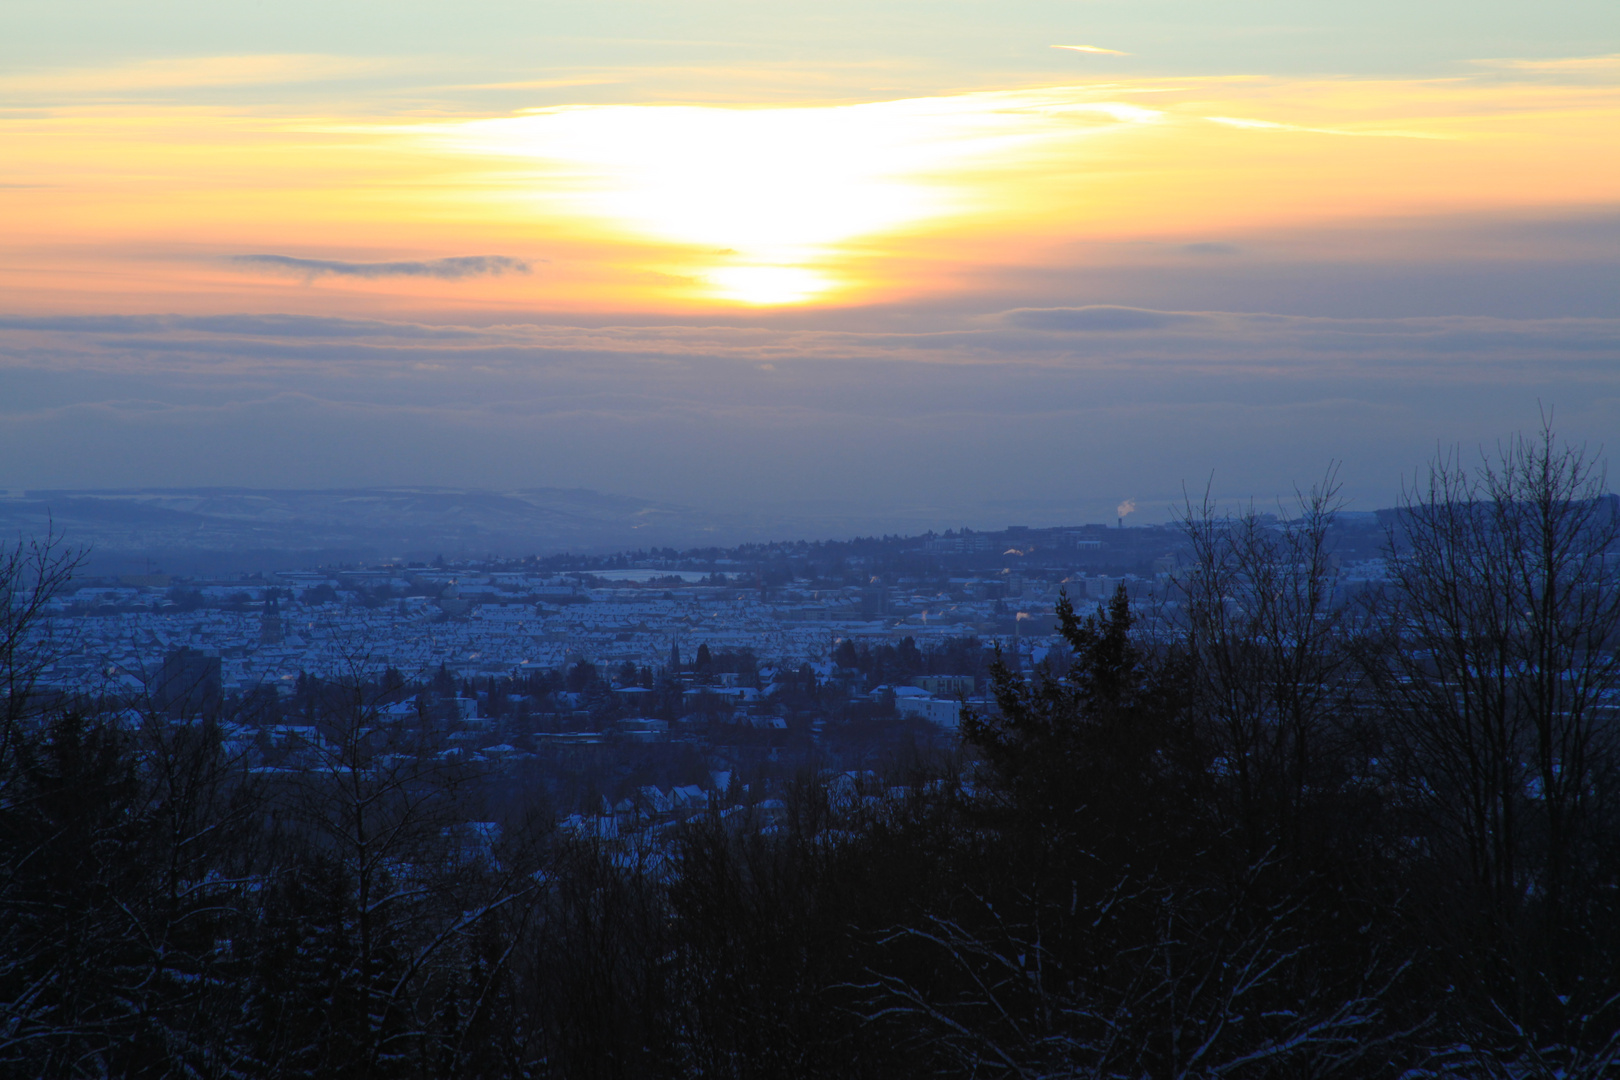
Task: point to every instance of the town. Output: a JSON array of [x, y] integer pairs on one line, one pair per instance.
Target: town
[[640, 684], [577, 789]]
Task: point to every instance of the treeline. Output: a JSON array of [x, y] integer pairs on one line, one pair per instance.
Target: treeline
[[1259, 833]]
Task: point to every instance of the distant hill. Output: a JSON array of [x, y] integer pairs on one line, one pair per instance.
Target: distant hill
[[206, 529]]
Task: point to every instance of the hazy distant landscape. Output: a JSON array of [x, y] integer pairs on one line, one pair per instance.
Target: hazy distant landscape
[[204, 530]]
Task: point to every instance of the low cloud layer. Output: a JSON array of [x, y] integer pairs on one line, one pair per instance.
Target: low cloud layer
[[453, 269], [1096, 318], [1028, 415]]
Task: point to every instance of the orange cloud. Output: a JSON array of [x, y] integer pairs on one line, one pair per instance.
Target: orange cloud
[[684, 206]]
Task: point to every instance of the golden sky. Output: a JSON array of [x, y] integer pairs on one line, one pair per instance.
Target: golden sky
[[676, 207]]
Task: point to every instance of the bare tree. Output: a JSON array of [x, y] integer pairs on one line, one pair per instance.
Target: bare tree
[[393, 878], [1173, 982], [1267, 638], [32, 572], [1499, 676]]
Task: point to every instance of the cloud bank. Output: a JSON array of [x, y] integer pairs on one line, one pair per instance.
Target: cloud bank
[[1105, 318], [1027, 415]]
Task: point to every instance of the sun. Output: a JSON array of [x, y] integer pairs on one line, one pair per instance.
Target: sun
[[769, 286], [766, 202]]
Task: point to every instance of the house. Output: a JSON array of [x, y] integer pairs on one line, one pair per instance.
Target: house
[[945, 712], [643, 729], [688, 797], [293, 736], [944, 685]]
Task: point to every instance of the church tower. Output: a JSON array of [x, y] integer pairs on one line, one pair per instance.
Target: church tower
[[270, 622]]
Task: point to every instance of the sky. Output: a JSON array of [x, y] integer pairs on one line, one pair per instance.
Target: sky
[[919, 265]]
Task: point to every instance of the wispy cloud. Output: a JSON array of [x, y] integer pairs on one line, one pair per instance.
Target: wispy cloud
[[1095, 50], [1098, 318], [185, 73], [1067, 337], [539, 84], [453, 269], [1564, 65], [1271, 125]]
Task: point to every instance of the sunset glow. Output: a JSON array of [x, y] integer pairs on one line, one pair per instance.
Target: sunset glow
[[767, 199], [678, 205]]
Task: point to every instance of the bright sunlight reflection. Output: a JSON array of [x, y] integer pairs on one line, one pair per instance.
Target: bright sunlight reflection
[[767, 202]]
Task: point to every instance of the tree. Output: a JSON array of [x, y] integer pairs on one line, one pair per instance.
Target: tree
[[1270, 662], [1107, 927], [127, 870], [1499, 674], [1100, 754], [582, 676], [376, 910], [32, 573]]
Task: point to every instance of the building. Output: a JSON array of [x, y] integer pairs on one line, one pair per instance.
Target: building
[[270, 622], [946, 714], [945, 686]]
